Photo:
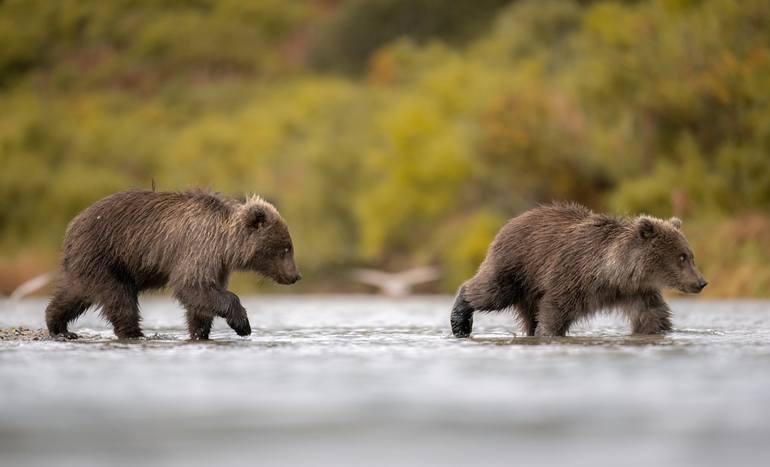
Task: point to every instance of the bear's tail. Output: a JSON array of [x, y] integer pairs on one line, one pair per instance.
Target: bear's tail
[[462, 316]]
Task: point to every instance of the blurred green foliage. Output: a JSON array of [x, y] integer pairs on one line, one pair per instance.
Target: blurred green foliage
[[361, 27], [394, 133]]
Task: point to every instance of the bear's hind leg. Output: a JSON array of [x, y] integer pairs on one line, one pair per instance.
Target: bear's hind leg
[[528, 317], [531, 323], [121, 307], [487, 292], [462, 316], [552, 319], [65, 306]]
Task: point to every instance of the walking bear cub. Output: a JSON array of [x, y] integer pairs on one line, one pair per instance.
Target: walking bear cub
[[559, 263], [191, 241]]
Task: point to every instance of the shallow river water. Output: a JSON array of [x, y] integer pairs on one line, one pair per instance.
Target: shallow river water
[[372, 381]]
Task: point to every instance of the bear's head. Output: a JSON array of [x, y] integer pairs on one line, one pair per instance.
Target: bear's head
[[668, 259], [262, 242]]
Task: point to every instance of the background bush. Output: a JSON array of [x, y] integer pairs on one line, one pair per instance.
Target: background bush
[[392, 133]]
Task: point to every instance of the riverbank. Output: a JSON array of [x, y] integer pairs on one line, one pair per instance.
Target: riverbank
[[23, 334]]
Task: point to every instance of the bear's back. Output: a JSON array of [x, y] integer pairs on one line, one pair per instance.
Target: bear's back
[[540, 227], [551, 238], [141, 229]]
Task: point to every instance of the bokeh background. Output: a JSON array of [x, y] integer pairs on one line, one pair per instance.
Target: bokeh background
[[392, 133]]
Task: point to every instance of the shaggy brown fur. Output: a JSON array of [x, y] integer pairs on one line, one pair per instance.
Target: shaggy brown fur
[[191, 241], [560, 263]]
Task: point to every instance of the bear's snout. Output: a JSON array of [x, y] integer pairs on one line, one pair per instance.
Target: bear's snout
[[288, 279], [692, 280], [696, 287]]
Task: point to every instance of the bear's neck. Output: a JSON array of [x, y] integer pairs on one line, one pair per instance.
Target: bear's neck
[[624, 266]]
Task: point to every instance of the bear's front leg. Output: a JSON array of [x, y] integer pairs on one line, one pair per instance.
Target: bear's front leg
[[203, 303], [199, 325], [235, 315], [649, 314]]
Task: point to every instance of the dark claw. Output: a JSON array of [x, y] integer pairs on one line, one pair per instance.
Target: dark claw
[[129, 334]]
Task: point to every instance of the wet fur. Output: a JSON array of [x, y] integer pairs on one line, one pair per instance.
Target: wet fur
[[557, 264], [191, 241]]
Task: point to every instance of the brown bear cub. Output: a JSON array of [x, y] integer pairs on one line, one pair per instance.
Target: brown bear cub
[[191, 241], [560, 263]]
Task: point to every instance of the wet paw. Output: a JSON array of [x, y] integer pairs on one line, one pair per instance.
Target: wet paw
[[236, 316], [65, 336], [240, 326], [461, 319], [462, 334], [199, 335], [462, 329], [130, 335]]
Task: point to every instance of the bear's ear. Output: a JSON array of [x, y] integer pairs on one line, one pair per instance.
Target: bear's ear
[[646, 228], [256, 217], [676, 222]]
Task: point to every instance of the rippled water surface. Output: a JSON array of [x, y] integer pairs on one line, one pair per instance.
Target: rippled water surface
[[368, 381]]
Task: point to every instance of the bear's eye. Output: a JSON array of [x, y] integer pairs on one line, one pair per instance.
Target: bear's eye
[[682, 258], [286, 251]]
